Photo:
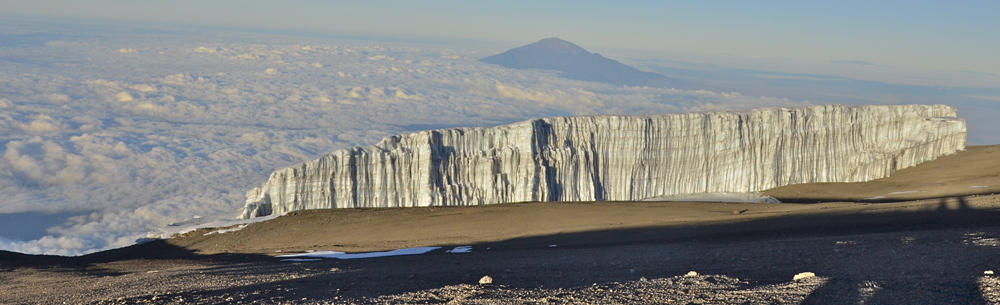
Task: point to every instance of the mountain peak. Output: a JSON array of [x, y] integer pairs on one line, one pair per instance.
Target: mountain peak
[[555, 44], [576, 63]]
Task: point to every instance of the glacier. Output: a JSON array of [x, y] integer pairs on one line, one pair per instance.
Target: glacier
[[617, 158]]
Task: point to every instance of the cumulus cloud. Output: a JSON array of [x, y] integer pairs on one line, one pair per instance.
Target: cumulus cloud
[[58, 98], [43, 123], [123, 97], [143, 88], [204, 49], [178, 79]]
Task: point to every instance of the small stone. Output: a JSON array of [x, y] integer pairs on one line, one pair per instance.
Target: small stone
[[691, 273], [803, 275], [486, 280], [988, 272]]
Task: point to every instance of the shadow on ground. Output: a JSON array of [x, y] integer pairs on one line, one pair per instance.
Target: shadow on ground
[[932, 256]]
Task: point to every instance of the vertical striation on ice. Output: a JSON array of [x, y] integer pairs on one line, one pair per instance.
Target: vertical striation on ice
[[594, 158]]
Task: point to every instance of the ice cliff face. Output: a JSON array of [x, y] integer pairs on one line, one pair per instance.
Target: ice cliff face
[[594, 158]]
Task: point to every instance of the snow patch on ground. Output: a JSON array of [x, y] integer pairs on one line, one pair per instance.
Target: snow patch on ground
[[874, 198], [342, 255], [233, 229], [461, 249], [218, 221], [903, 192]]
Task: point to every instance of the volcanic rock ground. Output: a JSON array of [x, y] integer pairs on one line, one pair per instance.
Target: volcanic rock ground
[[931, 240]]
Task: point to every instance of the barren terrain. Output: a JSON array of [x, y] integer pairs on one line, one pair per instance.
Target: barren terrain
[[932, 240]]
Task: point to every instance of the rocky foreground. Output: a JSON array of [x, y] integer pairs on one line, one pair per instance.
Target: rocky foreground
[[909, 265]]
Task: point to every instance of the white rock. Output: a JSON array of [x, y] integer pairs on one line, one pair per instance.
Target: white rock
[[486, 280], [988, 272], [803, 275], [691, 273], [627, 158]]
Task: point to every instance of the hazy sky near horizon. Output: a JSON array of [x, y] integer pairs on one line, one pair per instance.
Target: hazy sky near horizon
[[930, 35]]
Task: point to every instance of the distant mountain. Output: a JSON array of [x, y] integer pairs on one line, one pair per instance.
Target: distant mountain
[[577, 63]]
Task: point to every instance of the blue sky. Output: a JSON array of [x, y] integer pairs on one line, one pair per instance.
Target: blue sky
[[930, 35]]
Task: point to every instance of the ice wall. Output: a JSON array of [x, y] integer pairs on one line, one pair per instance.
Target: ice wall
[[593, 158]]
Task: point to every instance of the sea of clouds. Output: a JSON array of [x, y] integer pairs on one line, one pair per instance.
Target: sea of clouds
[[108, 136]]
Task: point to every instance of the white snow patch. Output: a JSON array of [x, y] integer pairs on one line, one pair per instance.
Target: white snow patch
[[460, 249], [874, 198], [233, 229], [342, 255], [903, 192], [218, 221], [978, 186]]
